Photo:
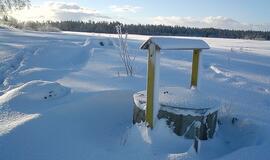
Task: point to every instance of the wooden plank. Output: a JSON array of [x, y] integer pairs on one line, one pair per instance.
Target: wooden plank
[[195, 68]]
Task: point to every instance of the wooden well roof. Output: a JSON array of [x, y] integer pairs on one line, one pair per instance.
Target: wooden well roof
[[171, 43]]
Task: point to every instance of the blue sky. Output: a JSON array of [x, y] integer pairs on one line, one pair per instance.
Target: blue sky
[[248, 14]]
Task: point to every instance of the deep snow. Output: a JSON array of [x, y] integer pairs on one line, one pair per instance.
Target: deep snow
[[66, 96]]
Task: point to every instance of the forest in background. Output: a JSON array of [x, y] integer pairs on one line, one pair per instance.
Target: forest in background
[[142, 29]]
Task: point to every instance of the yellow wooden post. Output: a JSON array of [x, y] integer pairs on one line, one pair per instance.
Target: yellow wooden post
[[195, 68], [152, 82]]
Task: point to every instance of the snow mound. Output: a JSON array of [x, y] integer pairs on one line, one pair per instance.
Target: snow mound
[[27, 102], [60, 56], [179, 97], [36, 90]]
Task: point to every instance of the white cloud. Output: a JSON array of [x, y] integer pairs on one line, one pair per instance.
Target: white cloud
[[58, 11], [125, 8], [211, 21]]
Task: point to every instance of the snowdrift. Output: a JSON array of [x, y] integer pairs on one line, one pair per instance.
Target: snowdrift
[[34, 91], [27, 102], [65, 96]]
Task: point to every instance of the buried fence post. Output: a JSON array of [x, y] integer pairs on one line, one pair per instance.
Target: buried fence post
[[195, 67], [152, 84]]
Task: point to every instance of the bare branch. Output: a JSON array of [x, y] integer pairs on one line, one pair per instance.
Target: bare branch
[[125, 56]]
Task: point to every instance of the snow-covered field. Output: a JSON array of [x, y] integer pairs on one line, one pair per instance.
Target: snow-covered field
[[65, 96]]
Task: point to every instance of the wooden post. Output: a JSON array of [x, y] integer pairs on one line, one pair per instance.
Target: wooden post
[[195, 68], [196, 144], [152, 84]]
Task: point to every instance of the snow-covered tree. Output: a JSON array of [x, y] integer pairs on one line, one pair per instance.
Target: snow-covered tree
[[7, 5]]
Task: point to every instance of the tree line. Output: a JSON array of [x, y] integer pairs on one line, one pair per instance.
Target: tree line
[[142, 29]]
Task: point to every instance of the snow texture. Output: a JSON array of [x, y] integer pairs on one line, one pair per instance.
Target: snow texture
[[65, 96], [179, 97]]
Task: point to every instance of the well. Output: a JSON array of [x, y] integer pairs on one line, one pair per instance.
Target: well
[[183, 109], [187, 111]]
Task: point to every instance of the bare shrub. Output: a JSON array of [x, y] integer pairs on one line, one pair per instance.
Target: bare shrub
[[126, 59]]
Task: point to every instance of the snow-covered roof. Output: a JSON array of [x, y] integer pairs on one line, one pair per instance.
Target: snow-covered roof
[[170, 43]]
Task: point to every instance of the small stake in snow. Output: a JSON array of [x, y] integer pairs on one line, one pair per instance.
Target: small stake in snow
[[154, 45]]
